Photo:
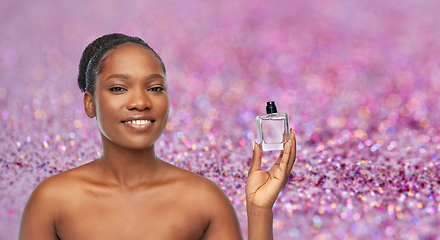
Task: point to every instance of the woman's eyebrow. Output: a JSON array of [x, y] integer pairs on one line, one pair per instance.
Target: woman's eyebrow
[[127, 76], [118, 75], [154, 76]]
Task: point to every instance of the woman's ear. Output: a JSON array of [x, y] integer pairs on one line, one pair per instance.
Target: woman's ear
[[89, 106]]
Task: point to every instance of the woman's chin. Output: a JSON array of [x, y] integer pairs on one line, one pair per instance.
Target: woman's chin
[[138, 146]]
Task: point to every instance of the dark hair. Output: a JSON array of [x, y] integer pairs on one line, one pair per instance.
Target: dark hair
[[91, 62]]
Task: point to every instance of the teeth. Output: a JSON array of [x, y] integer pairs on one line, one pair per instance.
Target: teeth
[[139, 122]]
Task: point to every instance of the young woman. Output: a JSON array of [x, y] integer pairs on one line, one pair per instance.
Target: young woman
[[129, 193]]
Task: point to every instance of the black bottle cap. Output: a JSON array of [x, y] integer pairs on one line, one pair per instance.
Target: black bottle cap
[[271, 108]]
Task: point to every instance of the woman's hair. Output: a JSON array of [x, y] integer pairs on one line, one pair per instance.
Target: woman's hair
[[92, 61]]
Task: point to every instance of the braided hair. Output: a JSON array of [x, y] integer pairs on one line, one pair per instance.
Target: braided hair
[[92, 61]]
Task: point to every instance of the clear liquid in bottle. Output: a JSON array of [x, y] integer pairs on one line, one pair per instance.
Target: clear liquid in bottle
[[272, 129]]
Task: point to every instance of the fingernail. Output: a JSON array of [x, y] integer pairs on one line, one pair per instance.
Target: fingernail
[[253, 146]]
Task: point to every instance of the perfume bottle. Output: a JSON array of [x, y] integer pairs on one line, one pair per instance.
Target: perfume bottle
[[272, 128]]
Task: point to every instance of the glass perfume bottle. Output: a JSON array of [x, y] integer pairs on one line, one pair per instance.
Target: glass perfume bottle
[[272, 128]]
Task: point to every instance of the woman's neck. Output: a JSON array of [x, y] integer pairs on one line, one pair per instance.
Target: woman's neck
[[128, 167]]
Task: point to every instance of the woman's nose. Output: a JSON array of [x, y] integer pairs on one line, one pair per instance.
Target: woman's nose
[[139, 100]]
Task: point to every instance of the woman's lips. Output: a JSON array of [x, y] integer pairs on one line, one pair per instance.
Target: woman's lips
[[135, 118], [138, 124]]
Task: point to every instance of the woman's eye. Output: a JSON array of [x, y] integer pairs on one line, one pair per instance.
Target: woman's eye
[[116, 89], [157, 89]]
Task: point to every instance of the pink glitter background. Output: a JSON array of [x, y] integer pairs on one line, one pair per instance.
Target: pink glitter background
[[360, 81]]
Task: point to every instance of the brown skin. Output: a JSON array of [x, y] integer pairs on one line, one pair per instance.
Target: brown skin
[[129, 193]]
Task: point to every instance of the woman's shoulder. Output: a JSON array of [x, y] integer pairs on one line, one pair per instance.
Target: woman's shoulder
[[196, 187], [203, 196], [58, 185], [189, 179], [49, 196]]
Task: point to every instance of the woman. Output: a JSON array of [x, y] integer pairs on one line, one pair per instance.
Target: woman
[[129, 193]]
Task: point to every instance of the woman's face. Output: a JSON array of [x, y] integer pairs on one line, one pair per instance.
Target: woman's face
[[131, 100]]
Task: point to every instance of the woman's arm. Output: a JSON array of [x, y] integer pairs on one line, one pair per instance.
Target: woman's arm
[[263, 187], [37, 220]]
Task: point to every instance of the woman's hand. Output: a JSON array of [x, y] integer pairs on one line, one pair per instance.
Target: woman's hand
[[263, 187]]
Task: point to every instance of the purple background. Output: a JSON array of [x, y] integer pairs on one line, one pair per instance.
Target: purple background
[[359, 79]]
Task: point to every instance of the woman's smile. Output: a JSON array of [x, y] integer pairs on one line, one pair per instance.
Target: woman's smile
[[139, 122]]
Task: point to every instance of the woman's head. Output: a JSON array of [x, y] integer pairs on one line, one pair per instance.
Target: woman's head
[[93, 58], [125, 89]]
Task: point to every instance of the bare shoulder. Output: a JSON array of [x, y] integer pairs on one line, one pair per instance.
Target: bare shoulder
[[53, 190], [197, 186], [203, 195], [61, 182], [47, 200]]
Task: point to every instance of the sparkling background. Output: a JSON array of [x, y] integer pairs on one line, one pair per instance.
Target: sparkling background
[[360, 81]]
